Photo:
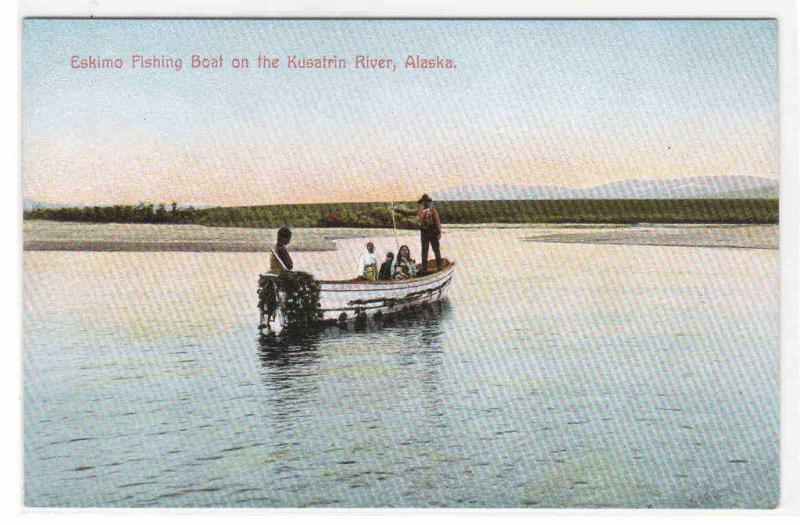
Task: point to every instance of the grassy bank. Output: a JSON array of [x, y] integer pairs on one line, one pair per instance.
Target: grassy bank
[[377, 215]]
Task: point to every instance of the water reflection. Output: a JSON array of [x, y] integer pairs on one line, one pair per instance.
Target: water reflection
[[408, 348], [426, 322], [291, 360], [553, 401]]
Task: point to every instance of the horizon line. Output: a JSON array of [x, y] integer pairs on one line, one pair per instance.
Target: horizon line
[[167, 202]]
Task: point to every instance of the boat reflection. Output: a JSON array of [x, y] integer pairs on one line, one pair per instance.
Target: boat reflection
[[293, 358], [424, 320]]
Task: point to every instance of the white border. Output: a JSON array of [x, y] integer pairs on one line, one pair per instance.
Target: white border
[[784, 10], [409, 8]]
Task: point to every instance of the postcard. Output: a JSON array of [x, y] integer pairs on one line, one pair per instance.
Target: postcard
[[401, 263]]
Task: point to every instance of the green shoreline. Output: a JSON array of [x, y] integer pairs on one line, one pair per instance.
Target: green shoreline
[[378, 214]]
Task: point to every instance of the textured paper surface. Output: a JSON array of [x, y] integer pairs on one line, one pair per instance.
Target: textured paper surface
[[608, 190]]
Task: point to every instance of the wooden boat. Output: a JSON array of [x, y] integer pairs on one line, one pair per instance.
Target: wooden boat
[[359, 299]]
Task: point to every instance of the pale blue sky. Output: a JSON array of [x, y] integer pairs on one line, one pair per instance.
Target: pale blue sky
[[572, 103]]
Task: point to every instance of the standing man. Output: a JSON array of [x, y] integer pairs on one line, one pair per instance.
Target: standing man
[[430, 228]]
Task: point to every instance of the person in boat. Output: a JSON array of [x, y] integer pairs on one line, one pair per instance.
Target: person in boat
[[281, 261], [430, 227], [386, 273], [368, 263], [404, 267]]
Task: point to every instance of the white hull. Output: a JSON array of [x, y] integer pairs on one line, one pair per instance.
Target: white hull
[[345, 301], [386, 297]]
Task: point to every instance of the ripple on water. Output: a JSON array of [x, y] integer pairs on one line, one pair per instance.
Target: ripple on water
[[579, 406]]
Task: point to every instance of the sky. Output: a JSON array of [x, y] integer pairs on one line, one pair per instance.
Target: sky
[[549, 102]]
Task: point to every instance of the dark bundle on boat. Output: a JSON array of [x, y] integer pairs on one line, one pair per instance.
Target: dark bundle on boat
[[296, 292]]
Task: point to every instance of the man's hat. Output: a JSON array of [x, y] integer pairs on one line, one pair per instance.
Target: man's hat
[[424, 198]]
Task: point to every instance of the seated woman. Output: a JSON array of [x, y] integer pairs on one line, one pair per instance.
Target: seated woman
[[405, 266], [368, 263]]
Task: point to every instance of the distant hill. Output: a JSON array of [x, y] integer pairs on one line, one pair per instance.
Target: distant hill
[[688, 188], [767, 192], [31, 204]]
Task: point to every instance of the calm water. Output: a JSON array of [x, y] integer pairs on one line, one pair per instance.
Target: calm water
[[557, 375]]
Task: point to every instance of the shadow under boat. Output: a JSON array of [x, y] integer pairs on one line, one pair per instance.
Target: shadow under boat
[[308, 338]]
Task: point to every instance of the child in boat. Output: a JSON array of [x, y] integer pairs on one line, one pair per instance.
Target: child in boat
[[280, 261], [386, 274], [368, 263], [405, 267]]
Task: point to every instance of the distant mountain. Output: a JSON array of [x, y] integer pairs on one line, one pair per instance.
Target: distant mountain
[[689, 188], [766, 192], [31, 204]]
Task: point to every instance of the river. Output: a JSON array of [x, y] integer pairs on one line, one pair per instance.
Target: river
[[556, 375]]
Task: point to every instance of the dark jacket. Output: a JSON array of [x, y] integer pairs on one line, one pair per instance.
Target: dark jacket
[[385, 274]]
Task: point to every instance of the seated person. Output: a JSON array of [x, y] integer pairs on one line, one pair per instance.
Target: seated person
[[280, 261], [405, 267], [368, 263], [385, 274]]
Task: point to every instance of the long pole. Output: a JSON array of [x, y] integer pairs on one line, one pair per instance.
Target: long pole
[[394, 226]]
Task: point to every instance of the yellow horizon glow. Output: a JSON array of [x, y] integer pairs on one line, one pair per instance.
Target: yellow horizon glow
[[82, 170]]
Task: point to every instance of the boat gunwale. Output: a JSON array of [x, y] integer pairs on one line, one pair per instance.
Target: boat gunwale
[[399, 283]]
